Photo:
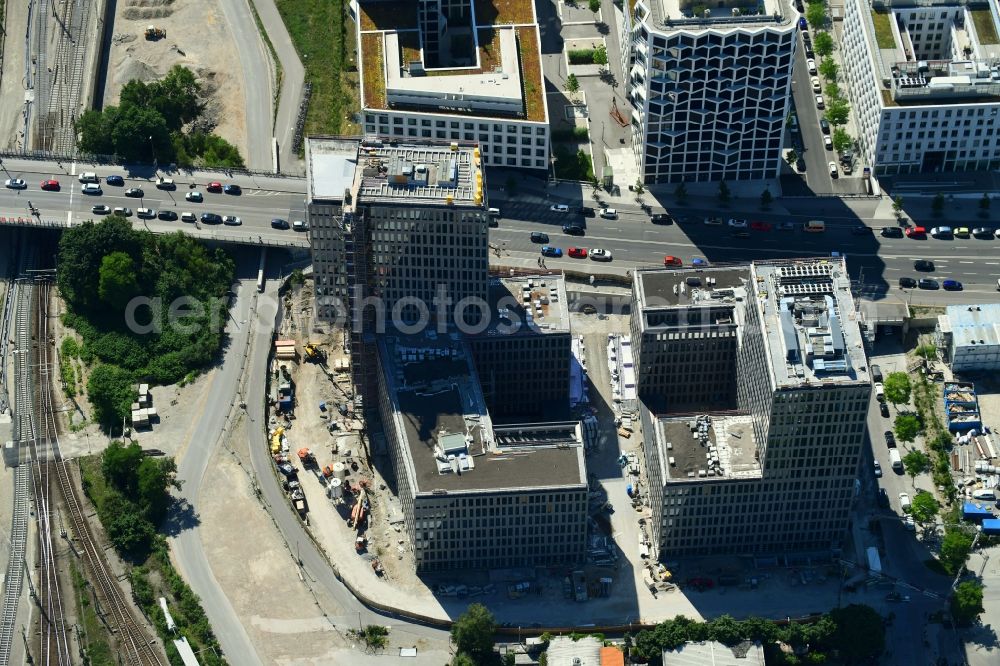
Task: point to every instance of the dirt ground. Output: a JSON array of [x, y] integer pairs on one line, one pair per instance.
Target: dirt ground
[[199, 38], [12, 83]]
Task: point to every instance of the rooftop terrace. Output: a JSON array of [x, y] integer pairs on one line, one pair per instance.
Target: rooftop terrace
[[707, 447], [419, 172], [670, 287], [809, 322], [450, 440], [527, 305], [698, 15]]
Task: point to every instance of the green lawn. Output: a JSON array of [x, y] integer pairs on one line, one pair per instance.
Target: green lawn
[[324, 38], [983, 20], [883, 30]]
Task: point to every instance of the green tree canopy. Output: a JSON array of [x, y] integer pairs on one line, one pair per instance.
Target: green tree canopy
[[119, 465], [897, 388], [837, 111], [154, 477], [907, 427], [924, 507], [823, 44], [111, 393], [967, 602], [955, 547], [572, 84], [916, 462], [472, 633], [842, 141], [816, 15], [860, 634], [829, 69], [82, 249], [117, 283], [601, 55]]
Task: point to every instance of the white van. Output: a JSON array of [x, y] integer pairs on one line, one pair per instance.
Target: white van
[[493, 212], [609, 213], [89, 177], [984, 494], [814, 226]]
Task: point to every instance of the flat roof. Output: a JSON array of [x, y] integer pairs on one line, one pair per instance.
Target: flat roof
[[450, 441], [974, 325], [527, 305], [809, 322], [668, 287], [419, 173], [669, 15], [330, 167], [713, 653], [707, 447]]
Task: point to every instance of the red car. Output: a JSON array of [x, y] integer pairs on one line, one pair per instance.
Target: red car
[[51, 185], [214, 187], [672, 261], [578, 252], [760, 226], [916, 232]]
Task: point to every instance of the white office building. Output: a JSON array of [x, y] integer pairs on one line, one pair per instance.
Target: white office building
[[969, 337], [435, 70], [924, 84], [710, 91]]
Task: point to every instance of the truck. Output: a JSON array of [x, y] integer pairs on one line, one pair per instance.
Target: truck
[[874, 562], [897, 462]]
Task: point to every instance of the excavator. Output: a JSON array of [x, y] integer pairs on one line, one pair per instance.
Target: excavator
[[314, 353]]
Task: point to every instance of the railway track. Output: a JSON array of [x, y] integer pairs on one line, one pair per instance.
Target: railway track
[[61, 39]]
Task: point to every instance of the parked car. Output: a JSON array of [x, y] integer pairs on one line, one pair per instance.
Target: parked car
[[961, 232], [924, 265], [982, 232], [811, 64], [145, 213], [278, 223], [891, 232], [539, 237], [861, 230], [597, 254], [737, 223], [890, 439], [952, 285], [878, 469], [820, 104], [833, 169], [757, 225], [907, 283], [609, 213], [883, 409], [713, 221], [661, 218], [100, 209], [916, 232], [231, 220], [50, 185], [817, 86], [91, 188], [299, 225], [167, 215], [559, 208], [883, 498], [824, 125], [214, 186], [827, 142], [16, 184], [232, 189], [573, 229], [195, 196], [165, 184], [928, 283], [211, 218], [672, 261], [189, 217], [879, 392], [876, 373], [577, 252], [941, 232], [904, 502], [550, 251], [115, 180], [124, 211], [698, 262]]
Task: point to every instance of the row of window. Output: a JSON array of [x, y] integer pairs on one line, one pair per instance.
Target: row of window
[[539, 130]]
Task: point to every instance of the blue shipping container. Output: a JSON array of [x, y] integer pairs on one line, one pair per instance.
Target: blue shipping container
[[991, 527], [973, 511]]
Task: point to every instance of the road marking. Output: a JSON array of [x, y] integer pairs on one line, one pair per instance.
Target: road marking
[[72, 169], [992, 263], [966, 262], [69, 218]]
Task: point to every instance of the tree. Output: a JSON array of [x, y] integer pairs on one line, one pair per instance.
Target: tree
[[926, 352], [842, 141], [153, 480], [967, 602], [472, 633], [765, 198], [117, 281], [726, 630], [680, 193], [601, 55], [82, 249], [897, 388], [938, 204], [724, 194], [792, 157], [572, 85], [906, 427], [639, 187], [111, 394], [462, 659], [829, 69], [129, 531], [955, 547], [816, 15], [595, 6], [823, 44], [119, 465], [375, 636], [916, 462], [897, 205], [837, 111], [832, 90], [924, 507], [859, 634]]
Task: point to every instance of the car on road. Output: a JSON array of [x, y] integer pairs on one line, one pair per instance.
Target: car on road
[[661, 218], [817, 86], [803, 25], [941, 232], [573, 229], [878, 469], [609, 213], [211, 218], [961, 232], [713, 221], [577, 252], [928, 283], [189, 217], [145, 213], [231, 221], [299, 225], [539, 237], [16, 184], [134, 192], [904, 502], [100, 210], [551, 251], [597, 254], [824, 125], [952, 285], [925, 265], [891, 232], [232, 189], [883, 409], [811, 64], [195, 196], [909, 524], [916, 232], [115, 180], [586, 211], [820, 104], [672, 261], [214, 186], [861, 230], [278, 223], [167, 215], [124, 211], [165, 184], [879, 391], [997, 233], [787, 226], [698, 262], [833, 169], [827, 142], [757, 225], [50, 185], [736, 223], [890, 439], [876, 373], [493, 222], [907, 283], [91, 188], [982, 232], [559, 208]]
